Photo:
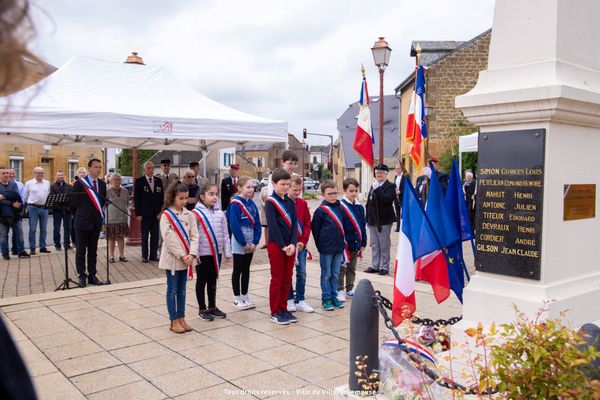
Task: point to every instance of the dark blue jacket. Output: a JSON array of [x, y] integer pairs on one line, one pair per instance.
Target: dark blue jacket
[[351, 235], [237, 218], [279, 232], [327, 235]]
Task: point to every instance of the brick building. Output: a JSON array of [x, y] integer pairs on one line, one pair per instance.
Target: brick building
[[452, 69], [25, 157]]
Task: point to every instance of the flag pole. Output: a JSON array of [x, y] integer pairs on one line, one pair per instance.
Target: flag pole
[[425, 140]]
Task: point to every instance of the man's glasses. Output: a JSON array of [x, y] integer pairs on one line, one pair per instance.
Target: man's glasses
[[331, 194]]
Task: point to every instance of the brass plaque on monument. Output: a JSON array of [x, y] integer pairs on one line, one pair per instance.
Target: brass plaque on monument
[[579, 202], [510, 191]]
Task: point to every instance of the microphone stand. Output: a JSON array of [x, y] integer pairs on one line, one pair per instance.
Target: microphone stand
[[107, 202]]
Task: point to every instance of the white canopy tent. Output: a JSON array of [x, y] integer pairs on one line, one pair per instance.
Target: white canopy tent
[[90, 102], [467, 144]]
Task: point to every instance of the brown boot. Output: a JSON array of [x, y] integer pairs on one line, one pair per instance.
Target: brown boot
[[176, 327], [185, 325]]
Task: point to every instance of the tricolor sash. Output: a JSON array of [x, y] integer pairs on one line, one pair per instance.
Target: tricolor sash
[[244, 209], [338, 223], [93, 195], [300, 232], [210, 235], [281, 209], [352, 217], [181, 234], [413, 347]]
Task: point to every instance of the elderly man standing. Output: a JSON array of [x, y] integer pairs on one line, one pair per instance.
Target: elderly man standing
[[10, 210], [17, 237], [229, 186], [148, 201], [165, 175], [34, 195], [61, 216], [380, 218]]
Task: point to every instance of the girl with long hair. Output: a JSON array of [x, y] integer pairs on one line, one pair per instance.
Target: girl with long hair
[[179, 250]]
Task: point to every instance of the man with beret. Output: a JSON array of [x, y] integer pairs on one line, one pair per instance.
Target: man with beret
[[165, 174], [380, 218], [229, 186]]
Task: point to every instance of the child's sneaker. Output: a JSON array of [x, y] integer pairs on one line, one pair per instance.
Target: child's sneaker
[[249, 304], [337, 303], [341, 295], [327, 305], [205, 315], [217, 313], [291, 317], [279, 319], [291, 305], [350, 293], [238, 302], [304, 307]]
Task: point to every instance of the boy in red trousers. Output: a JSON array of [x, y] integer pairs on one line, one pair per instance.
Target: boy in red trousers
[[282, 224]]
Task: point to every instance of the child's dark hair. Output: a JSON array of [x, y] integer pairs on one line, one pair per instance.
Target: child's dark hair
[[279, 174], [327, 184], [348, 182], [289, 155], [171, 193], [203, 190]]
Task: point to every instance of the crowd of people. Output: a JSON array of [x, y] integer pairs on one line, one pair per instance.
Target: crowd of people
[[189, 226]]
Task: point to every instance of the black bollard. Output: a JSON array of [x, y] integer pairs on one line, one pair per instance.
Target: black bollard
[[364, 331]]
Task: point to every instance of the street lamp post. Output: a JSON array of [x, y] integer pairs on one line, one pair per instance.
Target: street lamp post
[[381, 56]]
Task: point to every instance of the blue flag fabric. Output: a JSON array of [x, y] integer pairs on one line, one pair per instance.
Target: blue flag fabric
[[456, 204], [440, 218], [415, 225], [457, 207]]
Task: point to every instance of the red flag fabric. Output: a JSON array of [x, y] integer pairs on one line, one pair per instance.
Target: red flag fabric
[[433, 268], [363, 139]]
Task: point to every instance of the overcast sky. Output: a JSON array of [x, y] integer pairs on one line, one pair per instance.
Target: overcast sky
[[297, 61]]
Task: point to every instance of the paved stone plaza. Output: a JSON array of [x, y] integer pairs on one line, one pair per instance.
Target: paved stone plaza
[[113, 342]]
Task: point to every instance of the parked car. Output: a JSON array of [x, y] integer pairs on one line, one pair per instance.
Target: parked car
[[127, 183], [310, 184], [263, 182]]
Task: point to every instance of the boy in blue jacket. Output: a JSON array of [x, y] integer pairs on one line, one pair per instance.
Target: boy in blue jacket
[[356, 236], [328, 231]]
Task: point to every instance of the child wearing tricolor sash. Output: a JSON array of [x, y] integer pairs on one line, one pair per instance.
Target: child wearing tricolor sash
[[296, 299], [356, 236], [179, 250], [244, 222], [212, 244], [328, 231], [282, 223]]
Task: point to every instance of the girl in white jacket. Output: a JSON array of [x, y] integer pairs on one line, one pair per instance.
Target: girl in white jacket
[[213, 243], [179, 249]]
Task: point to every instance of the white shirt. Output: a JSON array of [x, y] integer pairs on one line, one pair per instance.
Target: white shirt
[[150, 182], [36, 192], [397, 181]]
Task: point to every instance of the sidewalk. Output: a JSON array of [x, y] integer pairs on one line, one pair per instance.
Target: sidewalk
[[113, 342]]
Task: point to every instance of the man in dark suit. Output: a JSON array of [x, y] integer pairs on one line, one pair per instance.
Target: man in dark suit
[[61, 216], [399, 183], [380, 218], [148, 201], [88, 221], [229, 186], [422, 185]]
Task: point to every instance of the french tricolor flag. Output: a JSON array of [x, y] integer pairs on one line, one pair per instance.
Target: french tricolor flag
[[416, 125], [416, 240], [363, 139]]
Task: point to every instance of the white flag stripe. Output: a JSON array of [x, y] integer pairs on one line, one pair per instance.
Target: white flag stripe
[[405, 270]]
